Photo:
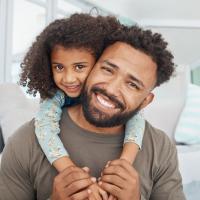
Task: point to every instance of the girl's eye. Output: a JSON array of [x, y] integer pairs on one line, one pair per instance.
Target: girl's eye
[[58, 67], [79, 67]]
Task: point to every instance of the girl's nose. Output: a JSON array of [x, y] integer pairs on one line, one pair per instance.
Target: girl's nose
[[69, 78]]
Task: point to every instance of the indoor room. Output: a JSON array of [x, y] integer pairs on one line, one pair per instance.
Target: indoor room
[[173, 107]]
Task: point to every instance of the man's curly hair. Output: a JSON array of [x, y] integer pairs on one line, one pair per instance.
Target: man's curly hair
[[149, 43], [78, 31]]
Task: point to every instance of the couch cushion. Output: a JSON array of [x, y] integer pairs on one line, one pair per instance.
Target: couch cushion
[[188, 127], [15, 108], [168, 102]]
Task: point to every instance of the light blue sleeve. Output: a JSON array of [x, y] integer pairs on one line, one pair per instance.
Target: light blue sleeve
[[134, 130], [47, 127]]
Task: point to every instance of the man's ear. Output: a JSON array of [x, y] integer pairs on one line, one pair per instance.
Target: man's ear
[[147, 100]]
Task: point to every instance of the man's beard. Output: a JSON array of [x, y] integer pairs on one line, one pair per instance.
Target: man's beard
[[99, 118]]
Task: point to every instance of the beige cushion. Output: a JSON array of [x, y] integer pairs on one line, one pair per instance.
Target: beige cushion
[[15, 108]]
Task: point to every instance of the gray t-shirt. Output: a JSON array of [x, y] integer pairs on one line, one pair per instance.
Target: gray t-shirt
[[26, 174]]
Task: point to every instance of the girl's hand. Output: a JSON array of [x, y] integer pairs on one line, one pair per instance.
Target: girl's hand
[[97, 193]]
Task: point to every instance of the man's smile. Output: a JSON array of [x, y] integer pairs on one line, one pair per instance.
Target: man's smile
[[104, 101]]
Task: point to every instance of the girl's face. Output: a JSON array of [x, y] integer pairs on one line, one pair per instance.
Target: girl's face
[[70, 68]]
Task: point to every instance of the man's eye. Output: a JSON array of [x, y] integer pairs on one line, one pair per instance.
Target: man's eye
[[133, 85], [107, 70]]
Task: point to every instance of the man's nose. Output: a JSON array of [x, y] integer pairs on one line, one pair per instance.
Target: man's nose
[[114, 87]]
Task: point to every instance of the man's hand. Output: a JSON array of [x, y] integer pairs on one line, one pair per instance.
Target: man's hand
[[120, 179], [71, 184]]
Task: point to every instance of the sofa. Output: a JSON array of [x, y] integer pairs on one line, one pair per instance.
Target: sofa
[[15, 108]]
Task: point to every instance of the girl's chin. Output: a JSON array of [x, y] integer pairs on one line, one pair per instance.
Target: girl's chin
[[72, 94]]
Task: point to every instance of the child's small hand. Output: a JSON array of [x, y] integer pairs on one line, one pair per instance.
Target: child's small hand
[[97, 192]]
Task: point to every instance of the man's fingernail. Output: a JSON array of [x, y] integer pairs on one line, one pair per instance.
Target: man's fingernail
[[99, 178], [93, 179]]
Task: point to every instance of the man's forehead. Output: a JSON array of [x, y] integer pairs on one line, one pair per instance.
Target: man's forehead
[[118, 49], [125, 53]]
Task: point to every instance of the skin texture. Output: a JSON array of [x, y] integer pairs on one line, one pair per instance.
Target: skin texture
[[77, 31], [118, 63], [121, 180], [70, 68], [72, 183]]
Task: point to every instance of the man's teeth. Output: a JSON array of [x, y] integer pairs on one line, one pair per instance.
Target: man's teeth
[[105, 103]]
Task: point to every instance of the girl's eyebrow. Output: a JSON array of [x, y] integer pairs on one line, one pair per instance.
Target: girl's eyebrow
[[76, 63], [55, 63]]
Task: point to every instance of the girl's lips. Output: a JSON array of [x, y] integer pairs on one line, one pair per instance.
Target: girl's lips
[[73, 88]]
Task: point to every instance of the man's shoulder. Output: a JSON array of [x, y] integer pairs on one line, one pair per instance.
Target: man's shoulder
[[156, 140], [25, 134], [23, 141], [155, 134]]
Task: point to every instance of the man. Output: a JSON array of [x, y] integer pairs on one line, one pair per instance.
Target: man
[[134, 62]]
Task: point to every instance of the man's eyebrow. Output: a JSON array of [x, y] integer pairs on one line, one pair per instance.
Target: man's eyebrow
[[129, 76]]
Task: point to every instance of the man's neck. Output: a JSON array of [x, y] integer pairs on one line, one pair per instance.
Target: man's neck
[[76, 114]]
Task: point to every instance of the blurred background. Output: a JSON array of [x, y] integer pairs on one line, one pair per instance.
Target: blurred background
[[176, 108]]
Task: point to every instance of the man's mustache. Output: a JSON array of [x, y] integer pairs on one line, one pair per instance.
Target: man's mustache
[[111, 97]]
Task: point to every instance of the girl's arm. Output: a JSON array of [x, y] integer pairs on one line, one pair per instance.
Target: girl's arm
[[134, 132], [47, 130]]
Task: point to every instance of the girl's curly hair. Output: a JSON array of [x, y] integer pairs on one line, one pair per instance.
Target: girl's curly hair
[[77, 31]]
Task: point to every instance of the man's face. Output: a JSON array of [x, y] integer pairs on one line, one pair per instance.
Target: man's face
[[118, 86]]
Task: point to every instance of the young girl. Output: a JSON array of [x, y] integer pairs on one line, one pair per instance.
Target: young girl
[[57, 66]]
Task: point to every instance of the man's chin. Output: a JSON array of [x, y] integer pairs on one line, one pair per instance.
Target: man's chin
[[100, 123], [96, 118], [103, 120]]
